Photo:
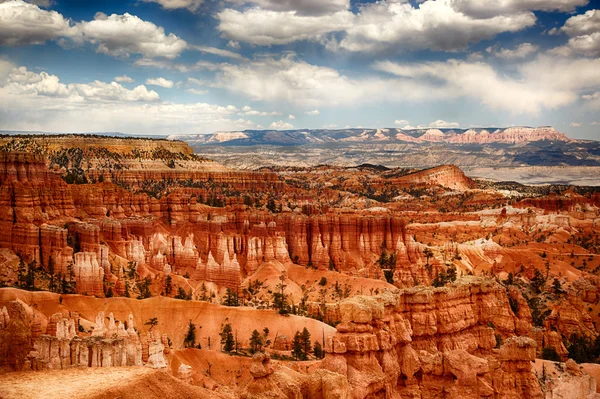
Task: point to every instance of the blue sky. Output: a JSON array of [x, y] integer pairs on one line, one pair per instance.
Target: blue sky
[[199, 66]]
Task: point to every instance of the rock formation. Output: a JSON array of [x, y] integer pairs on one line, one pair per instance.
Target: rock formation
[[432, 343], [63, 345]]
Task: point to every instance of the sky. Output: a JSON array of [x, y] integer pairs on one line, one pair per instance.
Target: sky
[[200, 66]]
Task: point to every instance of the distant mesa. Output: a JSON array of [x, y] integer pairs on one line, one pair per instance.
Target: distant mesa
[[510, 135]]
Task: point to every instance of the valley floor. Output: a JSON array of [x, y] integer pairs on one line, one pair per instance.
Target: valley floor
[[575, 175]]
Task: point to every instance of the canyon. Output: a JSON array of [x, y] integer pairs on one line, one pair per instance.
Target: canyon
[[415, 282]]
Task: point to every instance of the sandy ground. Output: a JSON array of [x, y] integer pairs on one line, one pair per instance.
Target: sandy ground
[[99, 383], [576, 175], [74, 383]]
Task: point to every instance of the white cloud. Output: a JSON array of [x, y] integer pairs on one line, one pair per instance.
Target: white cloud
[[302, 7], [162, 82], [545, 83], [379, 26], [575, 124], [123, 79], [297, 82], [401, 122], [191, 5], [592, 100], [233, 44], [25, 85], [442, 124], [291, 117], [266, 27], [281, 125], [219, 52], [391, 25], [584, 32], [41, 3], [314, 112], [408, 127], [248, 111], [489, 8], [329, 126], [197, 91], [521, 51], [101, 106], [23, 23], [123, 35]]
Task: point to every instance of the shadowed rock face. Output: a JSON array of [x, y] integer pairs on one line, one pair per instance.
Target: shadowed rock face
[[62, 345], [431, 343]]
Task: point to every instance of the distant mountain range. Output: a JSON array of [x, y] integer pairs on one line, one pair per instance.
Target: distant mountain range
[[469, 149], [419, 148], [511, 135]]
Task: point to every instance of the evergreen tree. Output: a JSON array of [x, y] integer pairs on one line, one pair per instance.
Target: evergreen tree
[[190, 338], [256, 342], [538, 281], [557, 287], [168, 285], [306, 344], [297, 348], [318, 350], [231, 298], [180, 293], [227, 341]]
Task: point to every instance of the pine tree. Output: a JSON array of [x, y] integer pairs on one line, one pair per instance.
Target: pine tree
[[306, 344], [297, 349], [256, 342], [227, 341], [231, 298], [168, 285], [190, 338], [318, 350]]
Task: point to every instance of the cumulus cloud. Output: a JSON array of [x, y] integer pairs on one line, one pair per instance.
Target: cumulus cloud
[[544, 83], [101, 106], [198, 92], [123, 35], [117, 35], [379, 26], [329, 126], [575, 124], [489, 8], [584, 35], [437, 25], [442, 124], [266, 27], [233, 44], [302, 7], [521, 51], [248, 111], [401, 122], [281, 125], [162, 82], [28, 85], [123, 79], [314, 112], [191, 5], [24, 23], [297, 82], [291, 117]]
